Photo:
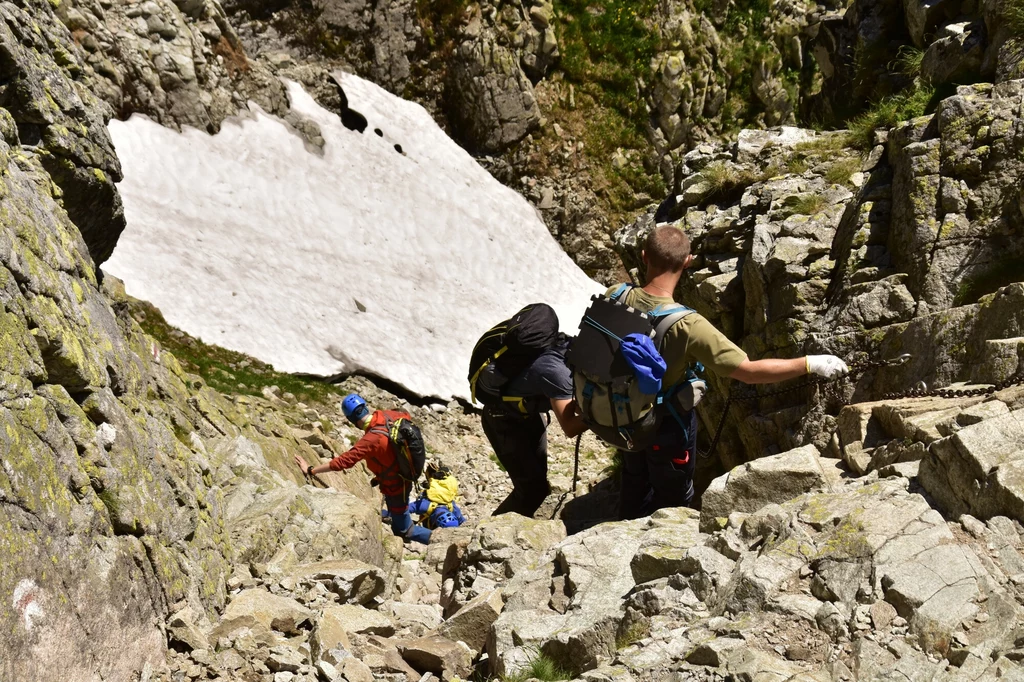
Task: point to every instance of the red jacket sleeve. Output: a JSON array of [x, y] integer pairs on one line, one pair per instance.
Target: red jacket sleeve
[[360, 451]]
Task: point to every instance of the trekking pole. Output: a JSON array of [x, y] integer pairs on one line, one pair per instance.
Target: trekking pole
[[575, 478], [718, 431], [576, 465]]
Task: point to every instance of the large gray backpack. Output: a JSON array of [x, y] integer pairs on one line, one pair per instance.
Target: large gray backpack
[[606, 388]]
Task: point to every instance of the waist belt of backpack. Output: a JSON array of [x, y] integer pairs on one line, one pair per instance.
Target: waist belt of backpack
[[520, 405], [665, 399], [434, 505]]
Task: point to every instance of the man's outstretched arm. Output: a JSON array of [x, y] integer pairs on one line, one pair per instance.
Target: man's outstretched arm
[[771, 370]]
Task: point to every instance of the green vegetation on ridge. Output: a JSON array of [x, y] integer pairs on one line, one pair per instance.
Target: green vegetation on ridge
[[606, 51], [226, 370], [606, 48], [916, 101]]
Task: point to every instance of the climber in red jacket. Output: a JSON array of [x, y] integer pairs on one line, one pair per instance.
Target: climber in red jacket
[[379, 454]]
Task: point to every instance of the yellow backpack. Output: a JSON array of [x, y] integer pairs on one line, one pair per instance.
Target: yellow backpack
[[441, 492]]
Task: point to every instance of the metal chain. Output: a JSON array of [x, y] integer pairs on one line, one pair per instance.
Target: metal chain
[[1016, 380], [856, 369]]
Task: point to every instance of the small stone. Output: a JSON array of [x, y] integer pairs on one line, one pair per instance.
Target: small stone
[[106, 434], [798, 653], [882, 614], [973, 526], [327, 671]]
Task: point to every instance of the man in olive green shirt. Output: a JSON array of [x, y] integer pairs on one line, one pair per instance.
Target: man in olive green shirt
[[661, 475]]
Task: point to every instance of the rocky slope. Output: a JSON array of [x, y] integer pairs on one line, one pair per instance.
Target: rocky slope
[[795, 569], [586, 109]]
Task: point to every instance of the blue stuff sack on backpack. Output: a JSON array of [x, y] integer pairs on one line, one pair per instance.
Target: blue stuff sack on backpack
[[647, 363]]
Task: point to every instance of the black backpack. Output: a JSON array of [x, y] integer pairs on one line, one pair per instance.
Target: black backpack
[[508, 348], [407, 440], [605, 385]]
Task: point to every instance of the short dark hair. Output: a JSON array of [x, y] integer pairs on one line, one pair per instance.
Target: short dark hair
[[667, 248]]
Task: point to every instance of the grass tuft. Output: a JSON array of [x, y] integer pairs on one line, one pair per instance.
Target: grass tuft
[[540, 667], [908, 61], [797, 164], [839, 173], [719, 176], [823, 144], [810, 204], [916, 101]]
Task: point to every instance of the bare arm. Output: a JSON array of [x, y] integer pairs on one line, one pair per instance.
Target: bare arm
[[565, 411], [346, 460], [769, 370]]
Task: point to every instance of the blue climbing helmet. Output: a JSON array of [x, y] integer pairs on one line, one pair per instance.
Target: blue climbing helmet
[[445, 519], [354, 408]]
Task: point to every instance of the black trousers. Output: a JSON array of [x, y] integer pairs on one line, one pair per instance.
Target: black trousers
[[521, 444], [660, 475]]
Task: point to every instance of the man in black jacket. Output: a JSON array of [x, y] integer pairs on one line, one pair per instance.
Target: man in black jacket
[[517, 427]]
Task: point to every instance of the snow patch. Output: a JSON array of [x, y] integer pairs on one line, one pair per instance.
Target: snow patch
[[363, 258]]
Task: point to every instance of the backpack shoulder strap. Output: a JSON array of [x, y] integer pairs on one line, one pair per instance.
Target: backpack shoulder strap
[[383, 429], [666, 317], [621, 291], [476, 375]]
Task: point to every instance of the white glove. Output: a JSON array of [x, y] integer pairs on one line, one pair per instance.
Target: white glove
[[827, 366]]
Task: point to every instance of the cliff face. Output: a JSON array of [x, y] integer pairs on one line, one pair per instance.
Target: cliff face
[[60, 122], [119, 469]]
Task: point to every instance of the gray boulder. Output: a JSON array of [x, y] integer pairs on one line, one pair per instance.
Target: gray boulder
[[438, 655], [499, 548], [491, 99], [663, 550], [352, 580], [597, 575], [977, 470], [473, 621], [769, 480], [274, 611], [956, 56]]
